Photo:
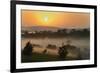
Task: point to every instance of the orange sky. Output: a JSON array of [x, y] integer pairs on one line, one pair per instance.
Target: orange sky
[[55, 19]]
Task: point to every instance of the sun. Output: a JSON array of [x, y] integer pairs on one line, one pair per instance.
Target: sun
[[46, 18]]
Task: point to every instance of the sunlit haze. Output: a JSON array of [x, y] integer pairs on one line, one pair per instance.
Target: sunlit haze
[[55, 19]]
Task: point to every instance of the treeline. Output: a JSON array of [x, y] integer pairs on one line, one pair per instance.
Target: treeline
[[58, 33]]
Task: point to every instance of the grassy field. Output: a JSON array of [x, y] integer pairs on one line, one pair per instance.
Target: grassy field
[[36, 57]]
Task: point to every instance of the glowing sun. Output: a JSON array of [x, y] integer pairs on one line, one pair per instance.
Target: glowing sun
[[46, 18]]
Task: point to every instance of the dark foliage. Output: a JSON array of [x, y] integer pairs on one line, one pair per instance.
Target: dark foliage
[[28, 49], [58, 33]]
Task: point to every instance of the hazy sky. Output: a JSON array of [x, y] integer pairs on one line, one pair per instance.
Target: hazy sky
[[55, 19]]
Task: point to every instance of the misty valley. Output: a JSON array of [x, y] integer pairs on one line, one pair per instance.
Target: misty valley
[[54, 44]]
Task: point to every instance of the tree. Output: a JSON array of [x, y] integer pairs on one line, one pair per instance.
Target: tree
[[62, 52], [28, 49]]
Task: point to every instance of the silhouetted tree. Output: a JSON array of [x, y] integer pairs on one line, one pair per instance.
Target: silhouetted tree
[[62, 52], [28, 49], [62, 31], [44, 52], [50, 46]]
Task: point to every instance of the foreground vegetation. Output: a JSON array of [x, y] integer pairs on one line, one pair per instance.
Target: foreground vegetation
[[36, 57]]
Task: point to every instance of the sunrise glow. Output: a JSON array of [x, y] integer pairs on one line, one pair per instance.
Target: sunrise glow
[[55, 19]]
